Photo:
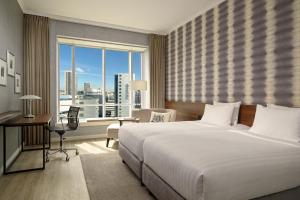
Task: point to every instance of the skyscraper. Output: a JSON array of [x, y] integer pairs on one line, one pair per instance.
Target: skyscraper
[[122, 94], [86, 87], [68, 82], [137, 99]]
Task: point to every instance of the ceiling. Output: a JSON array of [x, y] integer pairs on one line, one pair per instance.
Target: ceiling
[[148, 16]]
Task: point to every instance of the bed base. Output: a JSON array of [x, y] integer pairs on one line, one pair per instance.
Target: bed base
[[158, 187], [161, 190], [131, 161]]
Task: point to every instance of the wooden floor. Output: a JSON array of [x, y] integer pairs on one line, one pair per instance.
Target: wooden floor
[[60, 180]]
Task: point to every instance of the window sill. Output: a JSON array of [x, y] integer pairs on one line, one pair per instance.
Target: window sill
[[98, 122]]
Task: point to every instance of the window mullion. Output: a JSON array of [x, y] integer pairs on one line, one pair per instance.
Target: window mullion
[[142, 94], [73, 76], [103, 84], [58, 81], [130, 79]]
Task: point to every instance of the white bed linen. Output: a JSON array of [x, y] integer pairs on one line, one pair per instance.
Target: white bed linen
[[133, 135], [231, 165]]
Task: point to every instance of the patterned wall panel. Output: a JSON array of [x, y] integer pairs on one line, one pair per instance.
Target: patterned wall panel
[[246, 50]]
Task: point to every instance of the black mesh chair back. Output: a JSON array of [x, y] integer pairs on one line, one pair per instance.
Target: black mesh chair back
[[72, 116], [73, 123]]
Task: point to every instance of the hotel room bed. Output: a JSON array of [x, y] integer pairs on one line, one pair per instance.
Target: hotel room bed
[[132, 137], [228, 165]]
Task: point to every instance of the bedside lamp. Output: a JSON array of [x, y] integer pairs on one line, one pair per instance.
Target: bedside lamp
[[139, 85], [30, 98]]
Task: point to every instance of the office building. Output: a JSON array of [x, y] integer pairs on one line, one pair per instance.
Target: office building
[[68, 82]]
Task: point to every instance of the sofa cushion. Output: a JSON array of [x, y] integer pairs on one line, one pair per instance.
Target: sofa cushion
[[159, 117], [112, 130]]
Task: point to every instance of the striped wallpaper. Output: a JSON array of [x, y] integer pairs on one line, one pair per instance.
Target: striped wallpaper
[[246, 50]]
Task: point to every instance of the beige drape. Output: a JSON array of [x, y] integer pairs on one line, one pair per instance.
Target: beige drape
[[157, 45], [36, 79]]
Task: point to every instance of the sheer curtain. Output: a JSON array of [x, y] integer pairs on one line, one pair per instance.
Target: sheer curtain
[[157, 46], [36, 80]]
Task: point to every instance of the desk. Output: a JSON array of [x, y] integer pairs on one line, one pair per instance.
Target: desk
[[20, 121]]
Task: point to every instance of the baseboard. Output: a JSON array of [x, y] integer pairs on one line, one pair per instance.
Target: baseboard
[[11, 158], [80, 137]]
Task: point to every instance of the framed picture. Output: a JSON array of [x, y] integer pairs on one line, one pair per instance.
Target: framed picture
[[17, 83], [3, 73], [11, 63]]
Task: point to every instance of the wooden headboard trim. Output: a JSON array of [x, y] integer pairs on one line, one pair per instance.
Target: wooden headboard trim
[[191, 111]]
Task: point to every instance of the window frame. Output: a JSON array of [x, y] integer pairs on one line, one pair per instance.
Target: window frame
[[103, 46]]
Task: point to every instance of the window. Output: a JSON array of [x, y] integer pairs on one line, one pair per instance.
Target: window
[[97, 79], [137, 75], [88, 80], [65, 63], [117, 81]]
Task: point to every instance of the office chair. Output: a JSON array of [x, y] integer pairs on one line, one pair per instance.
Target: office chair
[[72, 125]]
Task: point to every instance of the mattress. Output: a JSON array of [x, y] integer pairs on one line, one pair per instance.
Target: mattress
[[133, 135], [232, 165]]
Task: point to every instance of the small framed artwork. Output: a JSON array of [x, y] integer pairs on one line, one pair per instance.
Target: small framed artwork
[[11, 63], [3, 73], [17, 83]]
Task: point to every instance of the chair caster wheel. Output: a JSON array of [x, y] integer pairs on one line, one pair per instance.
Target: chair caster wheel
[[67, 159], [77, 152]]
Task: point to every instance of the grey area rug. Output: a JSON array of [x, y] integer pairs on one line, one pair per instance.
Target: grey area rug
[[108, 178]]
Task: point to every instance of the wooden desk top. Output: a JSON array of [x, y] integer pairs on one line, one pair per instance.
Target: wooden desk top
[[22, 121], [9, 115]]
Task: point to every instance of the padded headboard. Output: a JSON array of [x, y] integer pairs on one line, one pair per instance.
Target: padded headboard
[[191, 111]]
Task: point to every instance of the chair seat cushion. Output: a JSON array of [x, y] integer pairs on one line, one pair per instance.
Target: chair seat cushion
[[112, 130], [58, 130]]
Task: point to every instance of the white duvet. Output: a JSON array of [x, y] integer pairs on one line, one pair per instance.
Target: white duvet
[[228, 165], [133, 135]]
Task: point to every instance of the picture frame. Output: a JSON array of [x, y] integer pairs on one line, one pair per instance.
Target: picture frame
[[17, 83], [3, 72], [11, 63]]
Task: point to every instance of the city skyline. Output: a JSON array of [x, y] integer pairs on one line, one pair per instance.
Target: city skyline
[[66, 89], [89, 92], [116, 102], [88, 65]]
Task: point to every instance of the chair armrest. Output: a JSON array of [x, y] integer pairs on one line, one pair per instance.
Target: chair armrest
[[61, 117], [121, 120]]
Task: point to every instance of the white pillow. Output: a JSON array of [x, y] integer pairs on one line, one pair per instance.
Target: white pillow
[[235, 114], [160, 117], [282, 107], [218, 114], [277, 123]]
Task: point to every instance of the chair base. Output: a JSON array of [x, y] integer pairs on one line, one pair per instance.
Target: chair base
[[60, 150]]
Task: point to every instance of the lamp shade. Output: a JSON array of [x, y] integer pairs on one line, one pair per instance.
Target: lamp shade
[[139, 85], [30, 97]]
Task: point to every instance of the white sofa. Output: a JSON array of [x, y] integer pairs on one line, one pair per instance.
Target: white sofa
[[143, 115]]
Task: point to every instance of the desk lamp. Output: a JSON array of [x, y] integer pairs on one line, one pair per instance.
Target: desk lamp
[[30, 98]]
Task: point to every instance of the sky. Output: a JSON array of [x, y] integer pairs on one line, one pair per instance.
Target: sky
[[88, 64]]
